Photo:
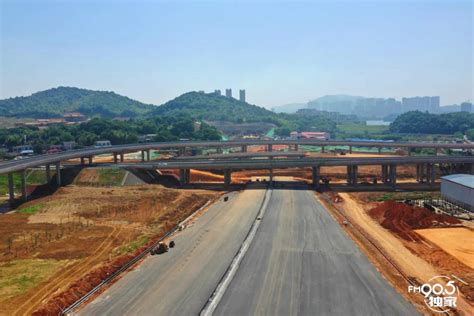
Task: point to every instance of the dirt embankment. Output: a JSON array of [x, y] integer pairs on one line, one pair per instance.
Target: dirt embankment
[[95, 230], [403, 219], [393, 227]]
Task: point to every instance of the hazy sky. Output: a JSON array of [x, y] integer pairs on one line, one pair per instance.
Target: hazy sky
[[280, 52]]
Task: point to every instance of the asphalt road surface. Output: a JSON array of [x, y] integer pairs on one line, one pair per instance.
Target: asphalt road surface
[[181, 281], [301, 262]]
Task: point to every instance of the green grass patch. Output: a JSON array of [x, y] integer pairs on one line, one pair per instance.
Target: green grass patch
[[111, 176], [18, 276], [362, 128], [404, 196], [33, 209], [134, 245]]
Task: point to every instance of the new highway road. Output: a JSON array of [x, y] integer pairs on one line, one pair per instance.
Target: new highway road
[[300, 262], [181, 281]]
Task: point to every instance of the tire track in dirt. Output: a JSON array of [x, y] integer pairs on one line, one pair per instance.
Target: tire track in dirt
[[31, 304]]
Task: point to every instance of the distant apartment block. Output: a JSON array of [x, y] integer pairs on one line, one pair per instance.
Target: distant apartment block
[[242, 95], [424, 104], [466, 107], [228, 93]]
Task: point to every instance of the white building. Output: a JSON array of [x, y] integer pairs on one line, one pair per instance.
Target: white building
[[459, 190]]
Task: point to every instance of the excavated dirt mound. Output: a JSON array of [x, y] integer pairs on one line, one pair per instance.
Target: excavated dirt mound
[[402, 219]]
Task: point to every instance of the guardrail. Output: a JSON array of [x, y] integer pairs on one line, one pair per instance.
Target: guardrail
[[129, 264]]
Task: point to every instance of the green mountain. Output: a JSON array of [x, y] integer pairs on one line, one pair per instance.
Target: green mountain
[[214, 107], [57, 101]]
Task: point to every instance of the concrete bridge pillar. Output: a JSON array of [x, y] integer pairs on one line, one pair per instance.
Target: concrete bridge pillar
[[58, 173], [121, 157], [11, 189], [243, 148], [219, 149], [182, 151], [24, 193], [82, 161], [393, 175], [322, 149], [143, 156], [90, 160], [385, 174], [271, 176], [379, 150], [48, 173], [188, 176], [350, 149], [296, 147], [316, 176], [355, 169], [270, 147], [148, 155], [115, 158], [183, 176], [227, 178]]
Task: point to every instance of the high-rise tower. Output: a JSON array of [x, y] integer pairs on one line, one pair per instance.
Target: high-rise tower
[[242, 95]]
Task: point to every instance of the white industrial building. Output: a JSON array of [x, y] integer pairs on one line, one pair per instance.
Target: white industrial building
[[459, 190]]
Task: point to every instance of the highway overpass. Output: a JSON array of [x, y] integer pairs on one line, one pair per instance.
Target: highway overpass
[[242, 160]]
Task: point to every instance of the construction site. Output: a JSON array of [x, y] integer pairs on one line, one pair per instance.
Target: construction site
[[57, 247]]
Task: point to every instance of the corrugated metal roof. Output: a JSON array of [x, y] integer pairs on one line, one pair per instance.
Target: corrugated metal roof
[[462, 179]]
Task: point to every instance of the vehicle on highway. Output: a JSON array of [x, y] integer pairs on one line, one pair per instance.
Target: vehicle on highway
[[159, 249], [103, 144]]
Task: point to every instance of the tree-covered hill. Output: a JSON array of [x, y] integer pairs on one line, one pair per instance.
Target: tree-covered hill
[[214, 107], [417, 122], [57, 101]]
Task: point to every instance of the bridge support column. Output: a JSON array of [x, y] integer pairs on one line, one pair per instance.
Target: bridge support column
[[316, 177], [432, 174], [379, 150], [354, 175], [24, 193], [270, 147], [48, 173], [350, 149], [322, 149], [350, 175], [243, 148], [58, 173], [121, 157], [83, 161], [115, 158], [227, 178], [148, 155], [90, 160], [188, 176], [271, 177], [183, 176], [393, 175], [296, 147], [11, 189], [143, 156], [385, 174]]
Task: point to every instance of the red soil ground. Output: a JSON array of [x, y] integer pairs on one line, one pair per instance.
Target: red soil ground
[[402, 219]]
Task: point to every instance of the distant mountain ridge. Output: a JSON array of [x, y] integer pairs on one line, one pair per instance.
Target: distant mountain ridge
[[289, 108], [55, 102]]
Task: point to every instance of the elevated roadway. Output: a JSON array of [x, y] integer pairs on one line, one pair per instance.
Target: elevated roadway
[[18, 165]]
